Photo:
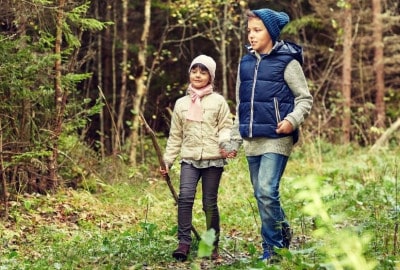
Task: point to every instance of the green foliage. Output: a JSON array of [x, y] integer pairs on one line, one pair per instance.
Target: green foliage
[[77, 22], [206, 244], [343, 212], [309, 21], [77, 17], [26, 102], [392, 110], [27, 89], [107, 251]]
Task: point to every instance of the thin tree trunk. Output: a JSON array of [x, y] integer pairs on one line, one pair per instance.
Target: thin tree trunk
[[378, 63], [140, 80], [100, 84], [346, 73], [106, 90], [124, 76], [60, 101], [114, 132], [223, 53]]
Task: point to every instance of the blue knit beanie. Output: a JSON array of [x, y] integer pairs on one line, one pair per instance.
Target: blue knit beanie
[[274, 21]]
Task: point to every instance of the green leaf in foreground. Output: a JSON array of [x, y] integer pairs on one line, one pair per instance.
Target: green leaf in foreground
[[206, 244]]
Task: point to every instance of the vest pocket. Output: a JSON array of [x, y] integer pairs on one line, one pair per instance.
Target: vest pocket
[[277, 113]]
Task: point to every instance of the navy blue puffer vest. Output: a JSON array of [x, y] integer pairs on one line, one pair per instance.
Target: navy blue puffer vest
[[265, 98]]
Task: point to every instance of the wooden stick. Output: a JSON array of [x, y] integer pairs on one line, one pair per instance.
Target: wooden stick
[[3, 175], [162, 164]]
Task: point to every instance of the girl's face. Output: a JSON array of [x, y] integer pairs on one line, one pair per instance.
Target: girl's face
[[258, 35], [199, 78]]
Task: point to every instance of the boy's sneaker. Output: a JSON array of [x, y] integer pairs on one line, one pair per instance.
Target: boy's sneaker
[[287, 235], [269, 258], [182, 252], [265, 256]]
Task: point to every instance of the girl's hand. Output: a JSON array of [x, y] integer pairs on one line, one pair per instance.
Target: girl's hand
[[165, 171], [226, 154], [232, 154], [223, 152], [284, 127]]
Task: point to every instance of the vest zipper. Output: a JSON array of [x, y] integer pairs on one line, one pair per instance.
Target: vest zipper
[[252, 98], [277, 113]]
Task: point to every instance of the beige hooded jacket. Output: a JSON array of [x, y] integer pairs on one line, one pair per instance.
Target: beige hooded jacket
[[199, 140]]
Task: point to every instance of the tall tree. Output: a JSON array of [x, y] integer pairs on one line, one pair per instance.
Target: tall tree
[[346, 70], [99, 74], [140, 80], [124, 76], [378, 63], [60, 96], [106, 128]]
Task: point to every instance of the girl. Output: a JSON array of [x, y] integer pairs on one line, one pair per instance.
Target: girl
[[200, 128]]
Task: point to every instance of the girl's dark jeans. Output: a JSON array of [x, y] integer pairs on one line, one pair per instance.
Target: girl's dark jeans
[[190, 176]]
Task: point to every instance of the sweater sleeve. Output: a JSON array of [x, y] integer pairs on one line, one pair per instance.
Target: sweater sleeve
[[294, 77], [236, 139], [224, 124]]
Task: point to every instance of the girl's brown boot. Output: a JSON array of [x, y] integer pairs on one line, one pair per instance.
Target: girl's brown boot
[[182, 252]]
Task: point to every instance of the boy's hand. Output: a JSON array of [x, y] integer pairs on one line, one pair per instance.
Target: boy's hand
[[284, 127]]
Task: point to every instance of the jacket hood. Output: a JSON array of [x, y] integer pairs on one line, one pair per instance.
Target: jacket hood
[[284, 48]]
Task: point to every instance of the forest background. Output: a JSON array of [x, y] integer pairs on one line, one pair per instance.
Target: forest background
[[75, 77]]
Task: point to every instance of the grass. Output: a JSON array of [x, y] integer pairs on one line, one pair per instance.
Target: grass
[[342, 203]]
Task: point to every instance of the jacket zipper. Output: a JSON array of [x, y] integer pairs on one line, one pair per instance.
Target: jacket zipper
[[277, 114], [252, 98]]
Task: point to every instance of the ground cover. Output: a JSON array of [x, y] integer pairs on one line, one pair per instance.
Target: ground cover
[[342, 203]]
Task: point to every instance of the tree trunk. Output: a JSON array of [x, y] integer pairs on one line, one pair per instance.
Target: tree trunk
[[60, 102], [223, 53], [124, 76], [115, 39], [378, 63], [346, 73], [100, 85], [107, 116], [140, 80]]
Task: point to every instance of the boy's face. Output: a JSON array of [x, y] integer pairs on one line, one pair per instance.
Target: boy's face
[[258, 36]]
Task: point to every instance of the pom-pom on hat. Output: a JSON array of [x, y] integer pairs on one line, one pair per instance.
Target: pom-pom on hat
[[208, 62], [274, 21]]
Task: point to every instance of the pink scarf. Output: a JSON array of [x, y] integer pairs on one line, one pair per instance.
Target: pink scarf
[[195, 112]]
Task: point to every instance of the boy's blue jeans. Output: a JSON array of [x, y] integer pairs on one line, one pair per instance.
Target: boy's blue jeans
[[265, 173]]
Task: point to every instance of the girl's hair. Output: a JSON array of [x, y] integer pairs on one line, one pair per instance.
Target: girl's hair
[[201, 66]]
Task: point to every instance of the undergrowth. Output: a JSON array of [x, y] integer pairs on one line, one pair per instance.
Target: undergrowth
[[342, 203]]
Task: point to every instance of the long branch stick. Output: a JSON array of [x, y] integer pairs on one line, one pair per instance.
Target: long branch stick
[[3, 175], [162, 164]]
